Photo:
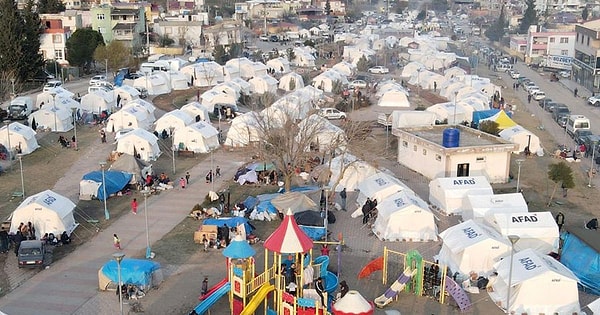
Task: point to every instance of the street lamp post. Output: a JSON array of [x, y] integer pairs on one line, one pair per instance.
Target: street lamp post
[[592, 164], [20, 155], [119, 257], [146, 192], [212, 177], [74, 112], [513, 240], [106, 214], [326, 223], [172, 129], [53, 93], [12, 82], [106, 68], [454, 117], [9, 146], [519, 162], [419, 81]]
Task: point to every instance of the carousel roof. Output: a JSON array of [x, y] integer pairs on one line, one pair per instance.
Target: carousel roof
[[288, 237], [352, 304]]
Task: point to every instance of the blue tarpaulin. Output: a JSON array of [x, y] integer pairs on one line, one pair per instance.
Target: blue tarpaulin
[[115, 181], [231, 222], [482, 114], [133, 271], [250, 202], [583, 261], [315, 233]]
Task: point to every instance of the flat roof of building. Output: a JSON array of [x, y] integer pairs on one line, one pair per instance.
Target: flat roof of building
[[469, 137]]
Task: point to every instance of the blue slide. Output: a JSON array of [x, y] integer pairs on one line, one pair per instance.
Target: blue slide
[[211, 299]]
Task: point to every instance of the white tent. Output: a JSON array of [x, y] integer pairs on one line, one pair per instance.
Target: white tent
[[469, 246], [454, 72], [403, 216], [285, 82], [539, 285], [197, 111], [394, 98], [139, 143], [263, 84], [326, 80], [229, 88], [482, 208], [145, 105], [98, 101], [128, 117], [230, 72], [178, 81], [303, 58], [405, 119], [536, 230], [48, 211], [48, 99], [127, 94], [57, 119], [522, 137], [156, 83], [204, 74], [327, 136], [17, 135], [347, 172], [200, 137], [245, 87], [449, 194], [176, 119], [280, 65], [449, 112], [68, 104], [260, 69], [345, 68], [412, 68], [244, 130], [378, 187], [213, 97], [245, 66]]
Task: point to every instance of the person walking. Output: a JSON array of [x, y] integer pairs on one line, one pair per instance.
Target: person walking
[[102, 135], [575, 91], [117, 242], [205, 286], [218, 171], [320, 288], [134, 206], [182, 182], [343, 198], [560, 220], [187, 178], [529, 98]]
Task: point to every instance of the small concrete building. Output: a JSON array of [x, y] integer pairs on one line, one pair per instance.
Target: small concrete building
[[469, 152]]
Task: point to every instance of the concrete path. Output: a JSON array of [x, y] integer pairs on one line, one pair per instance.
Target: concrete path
[[71, 285]]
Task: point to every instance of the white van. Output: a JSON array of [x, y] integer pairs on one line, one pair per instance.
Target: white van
[[577, 122], [20, 108]]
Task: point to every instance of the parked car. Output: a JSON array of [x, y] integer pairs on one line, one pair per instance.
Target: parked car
[[105, 84], [550, 106], [527, 84], [543, 102], [532, 89], [565, 74], [332, 113], [273, 38], [514, 74], [358, 84], [594, 100], [559, 111], [581, 135], [52, 84], [97, 78], [538, 95], [264, 38], [379, 70], [562, 120], [31, 254]]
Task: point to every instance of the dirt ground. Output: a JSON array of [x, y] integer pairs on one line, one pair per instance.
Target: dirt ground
[[177, 252]]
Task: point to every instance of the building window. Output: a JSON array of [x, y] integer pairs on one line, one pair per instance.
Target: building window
[[56, 38], [100, 16], [58, 54], [415, 148], [564, 40], [552, 39], [405, 144], [588, 41], [424, 152], [438, 157], [564, 52], [480, 159]]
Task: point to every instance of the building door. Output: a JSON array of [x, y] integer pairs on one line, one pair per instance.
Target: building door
[[462, 170]]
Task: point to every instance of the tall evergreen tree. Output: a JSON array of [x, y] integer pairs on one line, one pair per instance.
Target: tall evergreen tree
[[19, 40], [496, 31], [81, 46], [529, 18], [30, 42], [50, 6]]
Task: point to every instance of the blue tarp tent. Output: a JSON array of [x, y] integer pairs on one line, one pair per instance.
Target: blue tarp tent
[[138, 272], [231, 222], [482, 114], [580, 254], [115, 181]]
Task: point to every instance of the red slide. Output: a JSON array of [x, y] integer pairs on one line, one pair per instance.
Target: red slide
[[374, 265], [213, 289]]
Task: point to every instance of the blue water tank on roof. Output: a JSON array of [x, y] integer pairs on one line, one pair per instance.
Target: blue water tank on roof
[[451, 138]]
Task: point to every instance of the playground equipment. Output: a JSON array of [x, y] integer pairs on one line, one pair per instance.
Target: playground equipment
[[419, 277], [395, 288], [248, 291]]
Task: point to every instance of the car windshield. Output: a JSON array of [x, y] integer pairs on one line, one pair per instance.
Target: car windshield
[[26, 252]]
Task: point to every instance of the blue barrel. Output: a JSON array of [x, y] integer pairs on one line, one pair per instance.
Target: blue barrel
[[451, 138]]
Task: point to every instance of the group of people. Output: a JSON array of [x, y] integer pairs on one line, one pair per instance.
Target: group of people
[[51, 239], [65, 143], [210, 176], [369, 210]]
